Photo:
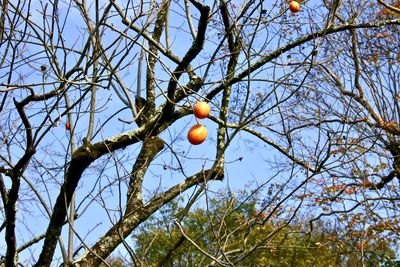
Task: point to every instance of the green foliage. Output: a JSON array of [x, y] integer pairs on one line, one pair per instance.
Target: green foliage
[[231, 228], [391, 264]]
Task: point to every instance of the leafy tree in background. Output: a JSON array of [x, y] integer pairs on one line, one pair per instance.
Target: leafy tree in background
[[233, 222], [96, 101]]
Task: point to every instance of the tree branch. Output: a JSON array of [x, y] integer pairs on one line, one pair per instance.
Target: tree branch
[[276, 53], [191, 54], [151, 62], [390, 7], [149, 150], [197, 246], [129, 222]]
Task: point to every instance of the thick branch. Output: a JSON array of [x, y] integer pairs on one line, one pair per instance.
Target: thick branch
[[12, 196], [234, 49], [227, 24], [190, 55], [4, 11], [128, 223], [11, 210], [81, 159], [151, 62], [149, 150], [3, 191], [357, 73]]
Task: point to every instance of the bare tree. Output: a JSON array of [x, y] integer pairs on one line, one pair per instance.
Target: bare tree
[[97, 97]]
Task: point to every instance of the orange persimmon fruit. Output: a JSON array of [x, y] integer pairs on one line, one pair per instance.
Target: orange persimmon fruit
[[197, 134], [201, 110], [294, 6], [67, 125]]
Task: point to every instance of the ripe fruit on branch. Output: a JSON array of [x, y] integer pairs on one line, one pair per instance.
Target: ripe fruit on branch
[[201, 110], [294, 6], [67, 125], [197, 134]]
